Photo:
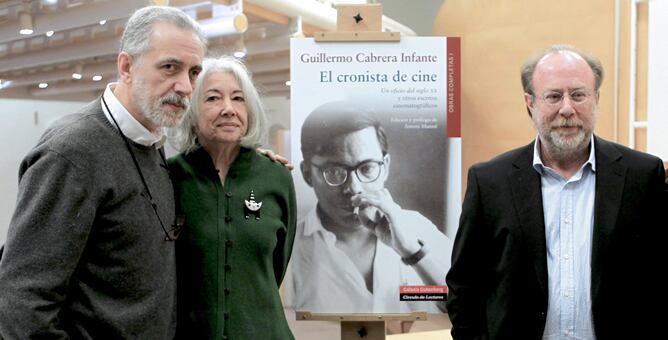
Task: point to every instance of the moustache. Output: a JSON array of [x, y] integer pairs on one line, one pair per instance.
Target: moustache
[[567, 123], [175, 99]]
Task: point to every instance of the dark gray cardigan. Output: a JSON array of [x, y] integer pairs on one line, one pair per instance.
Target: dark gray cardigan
[[85, 256]]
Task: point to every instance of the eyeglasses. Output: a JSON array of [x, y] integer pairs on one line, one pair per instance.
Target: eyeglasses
[[578, 97], [173, 233], [366, 172]]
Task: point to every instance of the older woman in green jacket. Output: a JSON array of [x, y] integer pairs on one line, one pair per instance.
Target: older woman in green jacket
[[239, 210]]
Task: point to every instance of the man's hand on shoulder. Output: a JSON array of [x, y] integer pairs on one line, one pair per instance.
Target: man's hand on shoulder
[[275, 157]]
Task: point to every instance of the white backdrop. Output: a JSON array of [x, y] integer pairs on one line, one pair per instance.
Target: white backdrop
[[657, 104], [19, 132]]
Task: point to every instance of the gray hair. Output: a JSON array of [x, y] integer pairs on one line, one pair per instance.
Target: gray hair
[[184, 136], [136, 39], [529, 66]]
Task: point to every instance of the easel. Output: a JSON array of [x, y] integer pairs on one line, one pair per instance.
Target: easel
[[360, 23], [362, 326]]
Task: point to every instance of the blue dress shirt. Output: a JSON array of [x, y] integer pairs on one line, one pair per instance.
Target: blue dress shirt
[[568, 206]]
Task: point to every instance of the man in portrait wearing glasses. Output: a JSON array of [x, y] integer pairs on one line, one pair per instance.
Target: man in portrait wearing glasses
[[90, 251], [358, 246], [559, 239]]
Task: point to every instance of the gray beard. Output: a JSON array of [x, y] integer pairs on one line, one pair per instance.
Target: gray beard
[[153, 111], [566, 151]]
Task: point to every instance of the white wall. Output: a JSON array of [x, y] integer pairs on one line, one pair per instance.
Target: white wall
[[278, 114], [657, 105], [418, 15], [22, 122]]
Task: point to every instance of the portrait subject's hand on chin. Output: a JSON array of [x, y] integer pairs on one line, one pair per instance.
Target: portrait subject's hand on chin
[[378, 212], [396, 228]]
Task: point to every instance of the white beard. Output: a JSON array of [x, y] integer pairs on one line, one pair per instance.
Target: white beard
[[153, 110], [565, 148]]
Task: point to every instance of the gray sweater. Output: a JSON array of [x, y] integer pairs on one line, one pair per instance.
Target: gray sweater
[[85, 256]]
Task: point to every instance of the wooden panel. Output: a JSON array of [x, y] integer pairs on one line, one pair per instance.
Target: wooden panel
[[309, 30], [204, 13], [359, 18], [641, 140], [261, 12], [357, 36], [497, 36], [304, 315]]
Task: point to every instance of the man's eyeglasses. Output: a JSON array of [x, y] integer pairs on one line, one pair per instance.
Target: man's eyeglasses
[[577, 97], [366, 172], [173, 233]]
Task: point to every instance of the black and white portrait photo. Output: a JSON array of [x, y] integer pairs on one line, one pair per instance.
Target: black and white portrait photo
[[373, 180]]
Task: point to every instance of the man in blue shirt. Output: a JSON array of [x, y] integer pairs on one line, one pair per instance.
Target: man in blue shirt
[[553, 234]]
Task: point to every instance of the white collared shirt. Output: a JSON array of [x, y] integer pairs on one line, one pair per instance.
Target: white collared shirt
[[568, 205], [130, 127], [325, 279]]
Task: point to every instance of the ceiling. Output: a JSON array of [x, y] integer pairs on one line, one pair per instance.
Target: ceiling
[[72, 37]]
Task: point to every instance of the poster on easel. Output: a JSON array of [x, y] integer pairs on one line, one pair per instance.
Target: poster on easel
[[376, 142]]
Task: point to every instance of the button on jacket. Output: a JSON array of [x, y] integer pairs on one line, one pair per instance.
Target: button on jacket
[[231, 260]]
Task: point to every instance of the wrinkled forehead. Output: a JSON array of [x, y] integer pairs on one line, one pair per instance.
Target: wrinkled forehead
[[563, 70], [169, 40], [174, 35]]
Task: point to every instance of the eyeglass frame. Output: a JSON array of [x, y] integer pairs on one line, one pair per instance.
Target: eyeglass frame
[[562, 95], [172, 234], [350, 169]]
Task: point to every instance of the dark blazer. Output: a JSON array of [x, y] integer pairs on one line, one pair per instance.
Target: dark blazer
[[498, 280]]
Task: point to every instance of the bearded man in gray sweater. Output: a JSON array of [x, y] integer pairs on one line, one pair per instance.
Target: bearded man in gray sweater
[[90, 251]]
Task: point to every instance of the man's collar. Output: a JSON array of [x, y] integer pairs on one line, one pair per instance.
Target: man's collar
[[130, 127], [539, 165], [312, 223]]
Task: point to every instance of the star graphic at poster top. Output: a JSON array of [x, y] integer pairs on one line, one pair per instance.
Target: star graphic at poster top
[[358, 18]]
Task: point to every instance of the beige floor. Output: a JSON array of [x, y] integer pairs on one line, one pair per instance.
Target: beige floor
[[437, 326]]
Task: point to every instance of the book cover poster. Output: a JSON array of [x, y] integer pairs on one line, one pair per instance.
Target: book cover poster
[[376, 144]]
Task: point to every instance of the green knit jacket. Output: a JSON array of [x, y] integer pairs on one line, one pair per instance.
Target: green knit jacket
[[231, 260]]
